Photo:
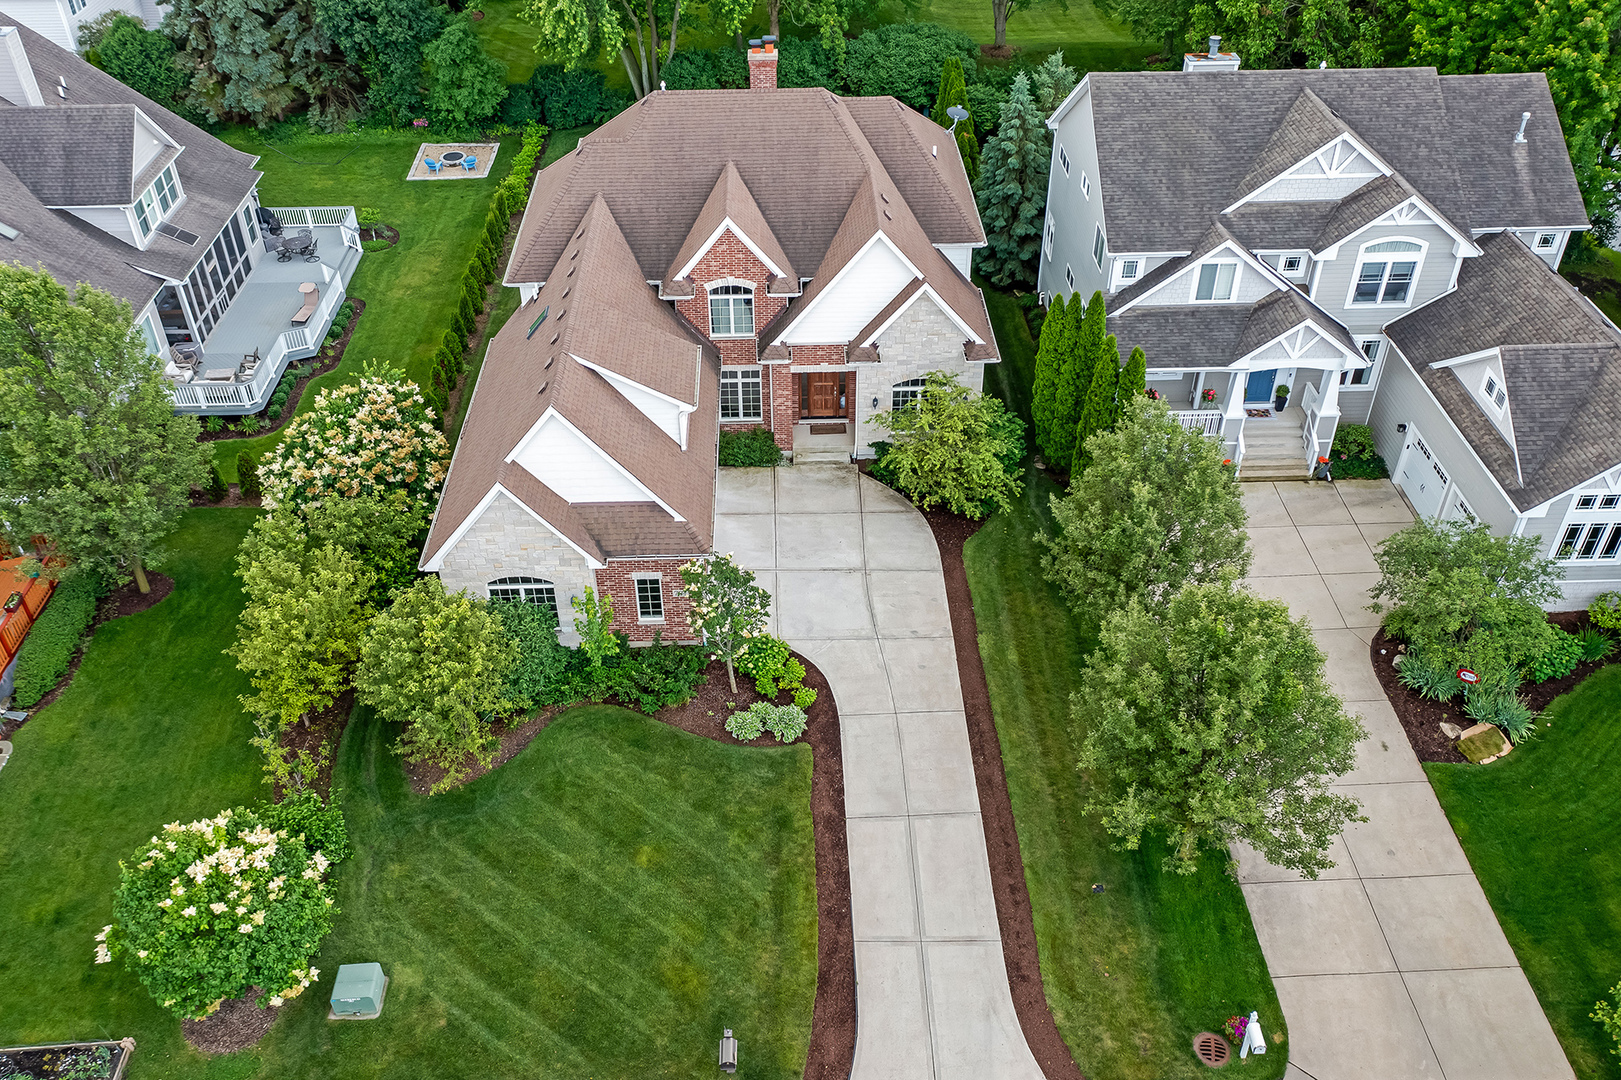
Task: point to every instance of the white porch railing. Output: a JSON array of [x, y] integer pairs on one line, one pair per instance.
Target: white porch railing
[[1204, 421], [341, 216], [290, 345]]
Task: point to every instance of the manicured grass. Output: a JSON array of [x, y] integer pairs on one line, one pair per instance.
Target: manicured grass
[[1541, 832], [507, 37], [1091, 40], [1012, 379], [150, 731], [1134, 972], [411, 290]]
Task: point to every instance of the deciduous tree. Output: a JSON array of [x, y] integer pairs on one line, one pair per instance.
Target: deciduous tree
[[1212, 721], [1012, 191], [955, 447], [465, 83], [577, 31], [92, 453], [385, 38], [143, 60], [1155, 509], [728, 608], [1003, 10]]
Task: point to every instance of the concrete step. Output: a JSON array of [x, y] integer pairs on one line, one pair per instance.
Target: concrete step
[[1270, 471], [806, 455]]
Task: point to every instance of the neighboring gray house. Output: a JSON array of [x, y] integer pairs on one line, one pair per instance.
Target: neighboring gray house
[[101, 185], [1380, 242], [60, 20]]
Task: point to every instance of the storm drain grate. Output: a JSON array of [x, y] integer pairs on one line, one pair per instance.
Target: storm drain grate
[[1211, 1049]]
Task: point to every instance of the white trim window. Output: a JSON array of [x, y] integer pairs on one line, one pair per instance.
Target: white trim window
[[905, 394], [650, 598], [1216, 281], [1063, 159], [1086, 185], [253, 227], [1492, 390], [731, 310], [1292, 265], [1592, 530], [1385, 273], [1373, 348], [740, 397], [1547, 241], [525, 590], [1069, 276], [1052, 232], [162, 196], [1099, 246], [1126, 271]]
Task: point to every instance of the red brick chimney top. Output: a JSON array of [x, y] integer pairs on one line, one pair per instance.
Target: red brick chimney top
[[763, 64]]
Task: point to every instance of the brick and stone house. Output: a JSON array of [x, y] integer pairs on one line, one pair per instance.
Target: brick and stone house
[[708, 260]]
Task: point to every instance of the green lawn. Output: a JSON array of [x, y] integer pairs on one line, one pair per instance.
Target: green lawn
[[507, 37], [150, 731], [411, 290], [1091, 40], [1542, 834]]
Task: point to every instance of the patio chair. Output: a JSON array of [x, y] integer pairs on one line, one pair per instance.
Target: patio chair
[[278, 244], [185, 355], [433, 166], [310, 252], [250, 363], [312, 300], [469, 162]]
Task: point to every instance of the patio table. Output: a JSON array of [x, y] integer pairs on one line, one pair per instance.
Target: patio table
[[219, 374], [452, 157]]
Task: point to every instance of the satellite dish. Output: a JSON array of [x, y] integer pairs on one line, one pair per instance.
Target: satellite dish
[[958, 114]]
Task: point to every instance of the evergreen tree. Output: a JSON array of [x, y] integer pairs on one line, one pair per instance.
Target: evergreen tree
[[1055, 332], [1080, 360], [1099, 411], [954, 91], [1133, 383], [385, 38], [1052, 82], [1013, 190]]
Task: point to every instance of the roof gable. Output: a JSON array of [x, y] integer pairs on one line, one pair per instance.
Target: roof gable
[[731, 208]]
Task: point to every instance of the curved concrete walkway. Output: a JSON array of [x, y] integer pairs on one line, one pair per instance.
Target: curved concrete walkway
[[1390, 966], [859, 591]]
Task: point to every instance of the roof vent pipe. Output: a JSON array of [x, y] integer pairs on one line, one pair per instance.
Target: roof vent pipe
[[1215, 45], [1525, 118]]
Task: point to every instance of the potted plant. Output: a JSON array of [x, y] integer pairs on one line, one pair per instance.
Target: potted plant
[[1207, 398], [1280, 397]]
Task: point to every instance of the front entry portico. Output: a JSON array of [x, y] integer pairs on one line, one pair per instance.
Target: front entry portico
[[824, 395]]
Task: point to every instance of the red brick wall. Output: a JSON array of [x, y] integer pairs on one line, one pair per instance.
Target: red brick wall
[[618, 581], [729, 258]]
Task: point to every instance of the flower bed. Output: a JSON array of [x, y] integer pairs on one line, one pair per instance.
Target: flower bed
[[104, 1060]]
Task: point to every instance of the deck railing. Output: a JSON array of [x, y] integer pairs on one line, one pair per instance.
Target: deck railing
[[1204, 421], [16, 624], [341, 216]]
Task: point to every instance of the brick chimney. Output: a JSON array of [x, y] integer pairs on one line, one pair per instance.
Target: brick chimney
[[763, 63]]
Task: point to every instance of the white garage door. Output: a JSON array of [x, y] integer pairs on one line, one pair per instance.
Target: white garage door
[[1420, 475]]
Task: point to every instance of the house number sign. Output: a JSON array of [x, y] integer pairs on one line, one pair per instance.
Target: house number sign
[[1468, 676]]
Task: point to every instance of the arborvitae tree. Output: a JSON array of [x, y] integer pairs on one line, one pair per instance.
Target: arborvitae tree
[[247, 475], [1098, 414], [1085, 345], [215, 487], [954, 91], [1133, 383], [1012, 190], [1055, 330]]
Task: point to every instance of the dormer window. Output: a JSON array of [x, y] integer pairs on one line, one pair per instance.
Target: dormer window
[[1494, 392], [1291, 264], [1216, 281], [731, 311], [1547, 241], [156, 201], [1128, 269], [1386, 272]]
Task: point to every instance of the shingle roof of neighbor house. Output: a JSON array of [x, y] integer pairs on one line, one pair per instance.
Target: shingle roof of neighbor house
[[1561, 367], [79, 151], [1175, 150], [601, 311]]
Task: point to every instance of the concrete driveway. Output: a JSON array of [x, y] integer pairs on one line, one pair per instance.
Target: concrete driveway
[[1391, 965], [859, 591]]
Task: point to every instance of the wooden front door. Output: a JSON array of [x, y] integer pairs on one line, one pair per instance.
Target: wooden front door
[[823, 395]]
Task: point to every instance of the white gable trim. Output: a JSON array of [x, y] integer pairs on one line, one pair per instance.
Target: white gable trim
[[831, 286], [551, 415], [1082, 88], [619, 382], [1410, 210], [614, 376], [926, 290], [1462, 438], [434, 564], [1467, 358], [1334, 157], [1238, 251], [725, 225], [1295, 343]]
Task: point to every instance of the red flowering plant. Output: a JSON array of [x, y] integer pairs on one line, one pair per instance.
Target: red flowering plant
[[1208, 397], [1235, 1029]]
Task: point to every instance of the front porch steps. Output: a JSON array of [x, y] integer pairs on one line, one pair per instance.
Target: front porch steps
[[805, 455], [1273, 449], [813, 449]]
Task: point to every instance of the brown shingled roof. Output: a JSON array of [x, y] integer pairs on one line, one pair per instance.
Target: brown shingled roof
[[731, 199]]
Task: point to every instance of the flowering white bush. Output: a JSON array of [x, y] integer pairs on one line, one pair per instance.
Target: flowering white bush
[[210, 909], [374, 437]]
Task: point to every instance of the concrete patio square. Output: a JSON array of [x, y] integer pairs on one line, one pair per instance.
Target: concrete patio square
[[1313, 504], [879, 498], [871, 751], [1317, 928], [1406, 834], [818, 541], [822, 603], [1356, 1027], [1486, 1024], [954, 877], [939, 763], [895, 1040], [1306, 595], [1279, 552], [1349, 669], [745, 491], [1262, 505], [1338, 549], [923, 674], [751, 539], [893, 542], [883, 902], [1370, 501], [908, 603], [1439, 922], [817, 489], [1350, 593]]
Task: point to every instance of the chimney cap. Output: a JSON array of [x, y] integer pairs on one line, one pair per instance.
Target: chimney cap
[[1215, 45], [756, 42], [770, 39]]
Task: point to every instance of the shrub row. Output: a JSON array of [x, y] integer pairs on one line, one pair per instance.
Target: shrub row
[[562, 99], [55, 637], [752, 448], [1354, 456]]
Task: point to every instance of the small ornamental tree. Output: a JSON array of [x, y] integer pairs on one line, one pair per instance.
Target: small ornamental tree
[[206, 911], [1055, 331], [1154, 510], [728, 608], [374, 437], [1012, 190], [955, 447], [378, 530], [1212, 720], [437, 664]]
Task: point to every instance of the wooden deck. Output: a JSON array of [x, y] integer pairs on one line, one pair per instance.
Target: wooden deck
[[14, 625]]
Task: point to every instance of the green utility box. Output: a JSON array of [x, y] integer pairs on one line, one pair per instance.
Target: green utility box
[[358, 992]]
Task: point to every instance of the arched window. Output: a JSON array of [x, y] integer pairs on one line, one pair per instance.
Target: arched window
[[1385, 272], [731, 311], [905, 393], [525, 590]]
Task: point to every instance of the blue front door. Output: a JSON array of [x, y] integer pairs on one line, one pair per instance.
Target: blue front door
[[1260, 384]]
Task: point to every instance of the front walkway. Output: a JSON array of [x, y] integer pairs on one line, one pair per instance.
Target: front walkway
[[859, 591], [1391, 965]]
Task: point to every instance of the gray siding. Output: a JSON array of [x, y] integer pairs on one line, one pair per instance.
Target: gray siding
[[1584, 579], [1334, 282], [1075, 217], [1355, 404]]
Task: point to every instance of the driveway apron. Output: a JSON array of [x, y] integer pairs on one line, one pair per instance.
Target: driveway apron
[[1390, 966], [859, 591]]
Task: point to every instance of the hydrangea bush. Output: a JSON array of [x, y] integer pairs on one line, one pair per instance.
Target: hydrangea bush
[[374, 437], [208, 910]]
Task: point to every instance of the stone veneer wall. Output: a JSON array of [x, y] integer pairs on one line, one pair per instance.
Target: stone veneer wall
[[507, 541], [922, 340]]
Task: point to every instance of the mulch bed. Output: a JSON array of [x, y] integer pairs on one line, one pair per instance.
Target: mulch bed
[[1421, 718], [326, 359], [1013, 912], [235, 1025], [381, 232], [324, 729], [833, 1019], [233, 497], [998, 52]]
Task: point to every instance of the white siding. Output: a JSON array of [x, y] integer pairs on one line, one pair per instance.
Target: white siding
[[113, 220], [1074, 217], [861, 292], [48, 18], [570, 465], [148, 143], [961, 256]]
